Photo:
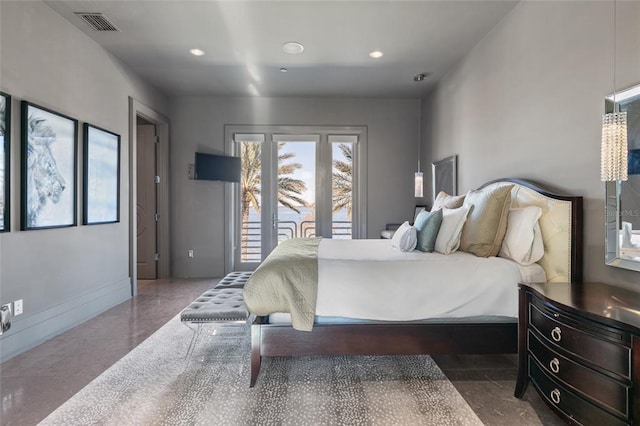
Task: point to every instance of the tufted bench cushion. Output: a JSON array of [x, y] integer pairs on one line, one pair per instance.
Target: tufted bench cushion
[[217, 305], [234, 280]]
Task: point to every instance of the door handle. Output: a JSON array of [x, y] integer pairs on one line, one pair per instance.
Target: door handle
[[274, 221]]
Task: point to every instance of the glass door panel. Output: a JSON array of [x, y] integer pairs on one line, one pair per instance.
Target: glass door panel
[[251, 202], [296, 188], [342, 190]]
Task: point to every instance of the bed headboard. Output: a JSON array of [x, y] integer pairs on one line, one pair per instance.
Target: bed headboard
[[560, 224]]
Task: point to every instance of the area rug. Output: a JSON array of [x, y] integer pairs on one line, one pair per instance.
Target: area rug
[[155, 385]]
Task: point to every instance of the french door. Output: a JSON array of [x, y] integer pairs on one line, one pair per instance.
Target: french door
[[294, 184]]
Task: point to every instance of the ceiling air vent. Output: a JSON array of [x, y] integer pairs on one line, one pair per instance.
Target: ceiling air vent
[[97, 21]]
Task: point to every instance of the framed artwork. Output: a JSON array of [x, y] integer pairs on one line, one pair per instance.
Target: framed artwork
[[49, 168], [417, 211], [5, 161], [445, 176], [634, 162], [101, 183]]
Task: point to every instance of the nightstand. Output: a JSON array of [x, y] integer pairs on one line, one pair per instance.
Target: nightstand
[[579, 344], [390, 229]]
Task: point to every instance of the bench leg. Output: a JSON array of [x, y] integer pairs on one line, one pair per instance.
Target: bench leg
[[256, 358], [194, 340]]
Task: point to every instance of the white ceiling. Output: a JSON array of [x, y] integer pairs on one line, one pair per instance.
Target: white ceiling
[[243, 43]]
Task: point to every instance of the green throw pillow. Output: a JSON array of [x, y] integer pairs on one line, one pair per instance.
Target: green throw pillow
[[486, 223], [427, 225]]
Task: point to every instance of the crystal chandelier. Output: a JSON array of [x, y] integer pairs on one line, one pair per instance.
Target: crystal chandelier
[[613, 148], [613, 154]]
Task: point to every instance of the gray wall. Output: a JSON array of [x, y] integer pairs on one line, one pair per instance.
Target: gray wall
[[527, 101], [198, 124], [65, 275]]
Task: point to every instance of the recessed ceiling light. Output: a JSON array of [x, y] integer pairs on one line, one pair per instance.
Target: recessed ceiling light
[[376, 54], [197, 52], [293, 47], [283, 69]]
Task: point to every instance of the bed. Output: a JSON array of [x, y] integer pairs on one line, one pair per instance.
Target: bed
[[464, 332]]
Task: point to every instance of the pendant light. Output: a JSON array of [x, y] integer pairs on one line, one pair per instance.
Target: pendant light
[[419, 177], [613, 149], [419, 187]]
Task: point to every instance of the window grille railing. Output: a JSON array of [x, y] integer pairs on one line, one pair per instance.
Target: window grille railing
[[251, 246]]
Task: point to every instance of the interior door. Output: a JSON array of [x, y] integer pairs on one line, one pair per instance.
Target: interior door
[[146, 205]]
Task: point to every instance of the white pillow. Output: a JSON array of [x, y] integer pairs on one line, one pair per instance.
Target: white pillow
[[448, 240], [405, 238], [523, 239]]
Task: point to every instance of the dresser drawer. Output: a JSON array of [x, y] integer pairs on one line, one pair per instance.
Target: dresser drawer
[[570, 404], [596, 349], [601, 389]]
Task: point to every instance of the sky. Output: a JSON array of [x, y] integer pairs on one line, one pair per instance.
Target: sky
[[306, 155]]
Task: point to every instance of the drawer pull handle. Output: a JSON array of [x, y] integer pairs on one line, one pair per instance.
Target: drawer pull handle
[[555, 396], [556, 334], [555, 365]]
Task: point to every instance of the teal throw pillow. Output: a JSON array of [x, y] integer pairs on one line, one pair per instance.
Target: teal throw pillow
[[427, 225]]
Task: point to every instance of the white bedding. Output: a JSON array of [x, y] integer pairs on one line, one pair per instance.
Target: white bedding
[[368, 279]]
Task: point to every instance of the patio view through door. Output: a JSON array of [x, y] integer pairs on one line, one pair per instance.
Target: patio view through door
[[292, 185]]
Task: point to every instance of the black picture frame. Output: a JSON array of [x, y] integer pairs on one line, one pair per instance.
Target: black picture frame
[[101, 176], [49, 168], [634, 162], [418, 209], [5, 162], [444, 175]]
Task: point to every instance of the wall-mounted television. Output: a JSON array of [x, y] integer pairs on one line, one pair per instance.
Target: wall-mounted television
[[217, 167]]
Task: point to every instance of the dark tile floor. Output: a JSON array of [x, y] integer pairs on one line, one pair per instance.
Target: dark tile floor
[[35, 383], [487, 383]]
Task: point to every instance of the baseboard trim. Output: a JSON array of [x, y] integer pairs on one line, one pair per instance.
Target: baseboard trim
[[33, 330]]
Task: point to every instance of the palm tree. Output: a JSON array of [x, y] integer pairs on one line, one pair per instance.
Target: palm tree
[[289, 188], [250, 180], [2, 112], [342, 181]]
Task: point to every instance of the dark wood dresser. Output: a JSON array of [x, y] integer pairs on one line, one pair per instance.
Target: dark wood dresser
[[579, 344]]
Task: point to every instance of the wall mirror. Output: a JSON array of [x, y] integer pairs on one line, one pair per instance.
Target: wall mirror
[[622, 213]]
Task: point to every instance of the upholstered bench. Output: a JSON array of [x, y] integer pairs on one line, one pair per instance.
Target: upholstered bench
[[234, 280], [218, 305]]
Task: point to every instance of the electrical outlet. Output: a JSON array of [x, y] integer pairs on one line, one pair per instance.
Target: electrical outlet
[[190, 254], [191, 171], [5, 317], [17, 307]]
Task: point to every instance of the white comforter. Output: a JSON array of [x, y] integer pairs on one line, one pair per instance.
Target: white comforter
[[369, 279]]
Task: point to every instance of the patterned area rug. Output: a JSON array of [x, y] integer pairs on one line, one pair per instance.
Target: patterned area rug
[[154, 385]]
